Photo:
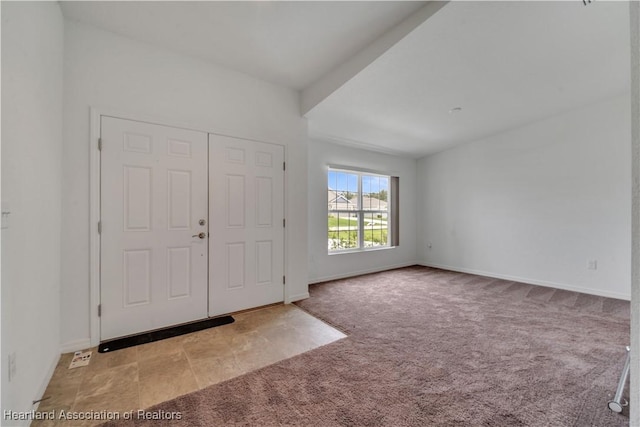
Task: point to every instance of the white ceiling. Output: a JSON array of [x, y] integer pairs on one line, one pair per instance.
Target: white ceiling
[[505, 63], [288, 43]]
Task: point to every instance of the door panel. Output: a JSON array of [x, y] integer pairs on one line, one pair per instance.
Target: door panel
[[246, 181], [153, 194]]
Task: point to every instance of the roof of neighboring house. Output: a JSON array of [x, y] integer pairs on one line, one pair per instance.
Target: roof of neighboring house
[[340, 201], [373, 203]]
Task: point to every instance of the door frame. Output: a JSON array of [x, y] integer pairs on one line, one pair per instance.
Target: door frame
[[94, 198]]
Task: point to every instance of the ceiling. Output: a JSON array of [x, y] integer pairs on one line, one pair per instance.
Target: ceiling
[[504, 63], [291, 44]]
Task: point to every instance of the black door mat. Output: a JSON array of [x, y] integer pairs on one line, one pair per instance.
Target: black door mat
[[161, 334]]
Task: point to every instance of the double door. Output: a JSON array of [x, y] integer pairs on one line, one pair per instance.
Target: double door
[[191, 226]]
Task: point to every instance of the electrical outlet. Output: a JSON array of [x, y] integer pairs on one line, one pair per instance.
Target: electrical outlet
[[12, 366], [592, 264]]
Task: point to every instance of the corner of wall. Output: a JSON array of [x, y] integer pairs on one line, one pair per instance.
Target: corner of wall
[[32, 95]]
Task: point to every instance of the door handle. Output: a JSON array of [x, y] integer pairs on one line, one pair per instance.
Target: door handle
[[200, 235]]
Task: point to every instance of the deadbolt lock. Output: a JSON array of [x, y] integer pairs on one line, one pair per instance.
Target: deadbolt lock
[[202, 222]]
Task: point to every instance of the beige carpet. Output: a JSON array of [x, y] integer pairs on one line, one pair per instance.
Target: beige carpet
[[428, 347]]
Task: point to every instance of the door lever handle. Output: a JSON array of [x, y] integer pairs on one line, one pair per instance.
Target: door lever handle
[[200, 235]]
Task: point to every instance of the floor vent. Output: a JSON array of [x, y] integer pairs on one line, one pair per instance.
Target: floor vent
[[161, 334]]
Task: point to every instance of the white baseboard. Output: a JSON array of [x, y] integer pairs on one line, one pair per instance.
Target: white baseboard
[[563, 286], [46, 379], [360, 272], [297, 297], [77, 345]]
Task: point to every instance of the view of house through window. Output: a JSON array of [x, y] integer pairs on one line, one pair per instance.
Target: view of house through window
[[359, 214]]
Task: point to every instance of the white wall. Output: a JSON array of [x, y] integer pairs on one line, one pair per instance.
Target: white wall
[[105, 70], [32, 49], [634, 386], [536, 203], [325, 267]]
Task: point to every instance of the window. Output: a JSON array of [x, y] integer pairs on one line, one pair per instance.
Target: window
[[360, 210]]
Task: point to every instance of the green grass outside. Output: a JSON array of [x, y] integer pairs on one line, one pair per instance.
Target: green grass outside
[[342, 222]]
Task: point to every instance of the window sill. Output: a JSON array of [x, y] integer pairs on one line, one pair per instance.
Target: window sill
[[360, 250]]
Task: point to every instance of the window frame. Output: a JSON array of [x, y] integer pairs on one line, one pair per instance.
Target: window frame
[[361, 212]]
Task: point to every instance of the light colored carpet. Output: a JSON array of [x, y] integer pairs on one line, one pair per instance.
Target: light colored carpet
[[428, 347]]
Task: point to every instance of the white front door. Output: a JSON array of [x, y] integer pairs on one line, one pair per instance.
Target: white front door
[[154, 200], [246, 181]]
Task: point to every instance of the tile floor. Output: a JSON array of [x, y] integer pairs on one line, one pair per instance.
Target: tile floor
[[142, 376]]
